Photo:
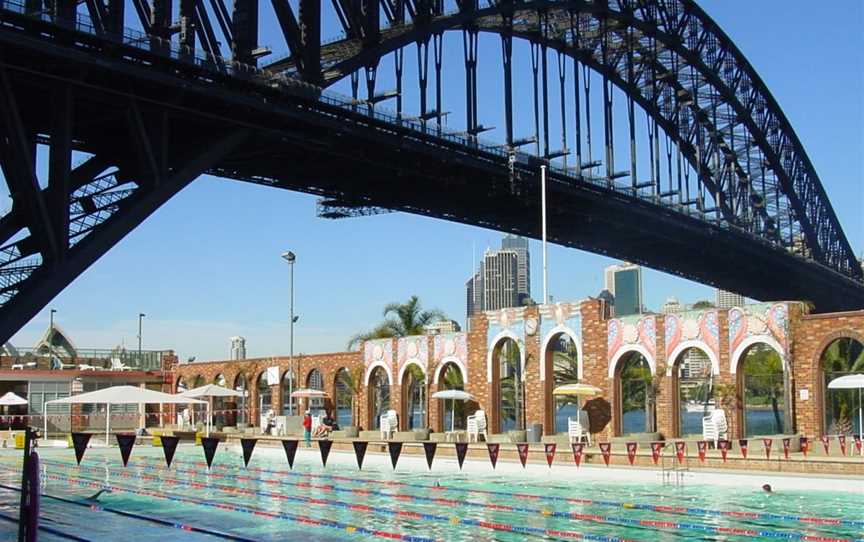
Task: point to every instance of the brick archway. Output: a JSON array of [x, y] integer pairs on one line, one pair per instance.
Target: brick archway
[[818, 385]]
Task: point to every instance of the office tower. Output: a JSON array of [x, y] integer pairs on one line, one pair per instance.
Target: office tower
[[238, 348], [499, 279], [624, 282], [474, 293], [726, 300], [672, 305], [519, 245]]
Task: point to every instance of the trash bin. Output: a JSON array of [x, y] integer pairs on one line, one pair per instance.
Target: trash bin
[[535, 431]]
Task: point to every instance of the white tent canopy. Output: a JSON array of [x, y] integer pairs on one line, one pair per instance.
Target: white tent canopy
[[852, 382], [121, 395], [11, 399]]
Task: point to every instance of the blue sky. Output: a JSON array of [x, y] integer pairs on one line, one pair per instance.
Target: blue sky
[[206, 266]]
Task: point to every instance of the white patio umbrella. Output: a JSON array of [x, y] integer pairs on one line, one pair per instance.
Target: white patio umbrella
[[453, 395], [10, 399], [210, 391], [851, 382], [121, 395], [308, 393]]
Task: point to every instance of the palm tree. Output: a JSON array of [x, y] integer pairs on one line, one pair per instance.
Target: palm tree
[[401, 320]]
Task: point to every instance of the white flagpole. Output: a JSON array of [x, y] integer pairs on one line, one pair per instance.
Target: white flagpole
[[543, 218]]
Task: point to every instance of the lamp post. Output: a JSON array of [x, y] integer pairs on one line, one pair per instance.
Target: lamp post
[[141, 316], [290, 257], [543, 219]]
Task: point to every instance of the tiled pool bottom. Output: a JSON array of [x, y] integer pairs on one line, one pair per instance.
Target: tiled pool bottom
[[268, 501]]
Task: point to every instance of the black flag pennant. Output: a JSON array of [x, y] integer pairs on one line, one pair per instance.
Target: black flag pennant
[[290, 451], [360, 452], [395, 448], [324, 446], [493, 452], [248, 445], [125, 441], [429, 448], [461, 450], [79, 442], [209, 444], [169, 446]]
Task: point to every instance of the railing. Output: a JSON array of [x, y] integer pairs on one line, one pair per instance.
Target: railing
[[86, 360]]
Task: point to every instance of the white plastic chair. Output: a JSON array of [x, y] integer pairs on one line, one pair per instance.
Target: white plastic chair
[[476, 425], [118, 365], [714, 426], [389, 424], [578, 428]]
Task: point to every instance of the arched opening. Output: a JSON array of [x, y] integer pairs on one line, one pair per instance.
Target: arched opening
[[693, 385], [453, 415], [223, 406], [199, 411], [198, 382], [562, 363], [289, 385], [315, 381], [636, 395], [842, 357], [379, 396], [265, 394], [414, 395], [508, 386], [765, 391], [181, 386], [343, 397], [241, 384]]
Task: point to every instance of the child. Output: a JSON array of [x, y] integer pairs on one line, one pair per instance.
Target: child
[[307, 429]]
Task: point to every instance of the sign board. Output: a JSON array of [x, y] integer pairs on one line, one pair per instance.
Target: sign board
[[272, 376]]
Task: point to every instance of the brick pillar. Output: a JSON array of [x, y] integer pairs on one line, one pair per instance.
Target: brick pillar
[[595, 365], [734, 413], [535, 397], [664, 409], [477, 384]]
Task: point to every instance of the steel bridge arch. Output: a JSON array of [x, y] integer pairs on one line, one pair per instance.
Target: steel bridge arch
[[683, 28]]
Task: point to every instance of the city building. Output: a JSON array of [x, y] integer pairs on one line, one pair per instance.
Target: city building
[[624, 282], [519, 245], [726, 300], [474, 293], [672, 305], [238, 348], [499, 279], [442, 326]]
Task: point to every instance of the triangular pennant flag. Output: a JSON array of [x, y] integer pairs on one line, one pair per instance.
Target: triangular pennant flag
[[522, 448], [826, 442], [606, 451], [248, 445], [360, 452], [395, 448], [169, 446], [786, 443], [429, 449], [656, 449], [125, 441], [702, 447], [79, 442], [631, 451], [841, 439], [209, 444], [290, 447], [723, 445], [742, 445], [857, 443], [493, 448], [324, 446], [680, 450], [578, 448], [805, 445], [461, 450], [550, 453], [767, 443]]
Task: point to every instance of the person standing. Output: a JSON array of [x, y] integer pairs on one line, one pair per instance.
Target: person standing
[[307, 429]]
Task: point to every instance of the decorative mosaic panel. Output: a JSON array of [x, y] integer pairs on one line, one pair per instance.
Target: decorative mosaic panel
[[631, 330], [512, 320], [378, 350], [702, 326], [560, 314], [451, 345], [768, 320], [413, 348]]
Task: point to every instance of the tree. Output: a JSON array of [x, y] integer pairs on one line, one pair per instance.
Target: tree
[[401, 320], [703, 304]]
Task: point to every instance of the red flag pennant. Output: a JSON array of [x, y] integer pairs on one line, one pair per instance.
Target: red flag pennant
[[290, 447], [742, 444], [857, 443], [656, 448], [429, 449], [826, 442], [578, 448], [680, 450], [702, 446], [493, 448], [606, 451], [723, 445], [805, 445], [461, 450], [631, 451], [522, 448], [767, 443], [360, 452], [841, 439], [550, 452]]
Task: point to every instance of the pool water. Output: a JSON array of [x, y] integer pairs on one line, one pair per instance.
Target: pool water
[[268, 501]]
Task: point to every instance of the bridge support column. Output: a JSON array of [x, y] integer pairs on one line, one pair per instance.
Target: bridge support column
[[310, 39], [244, 21]]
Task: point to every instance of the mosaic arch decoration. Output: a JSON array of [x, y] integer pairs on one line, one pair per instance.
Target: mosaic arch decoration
[[633, 333], [450, 347], [560, 318], [693, 329], [414, 349], [505, 323], [759, 323], [378, 353]]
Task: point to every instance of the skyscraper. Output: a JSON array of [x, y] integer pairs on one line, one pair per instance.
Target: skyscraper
[[500, 268], [238, 348], [519, 245], [726, 300], [624, 281], [474, 293]]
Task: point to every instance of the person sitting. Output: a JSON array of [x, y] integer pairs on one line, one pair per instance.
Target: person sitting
[[327, 425], [270, 424]]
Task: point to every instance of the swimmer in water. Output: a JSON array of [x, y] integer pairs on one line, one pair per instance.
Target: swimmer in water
[[767, 488]]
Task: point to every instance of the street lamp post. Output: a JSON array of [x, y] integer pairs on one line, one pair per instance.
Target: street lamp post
[[543, 228], [290, 257], [141, 316]]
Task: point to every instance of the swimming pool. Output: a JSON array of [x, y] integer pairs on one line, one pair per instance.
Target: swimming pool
[[268, 501]]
